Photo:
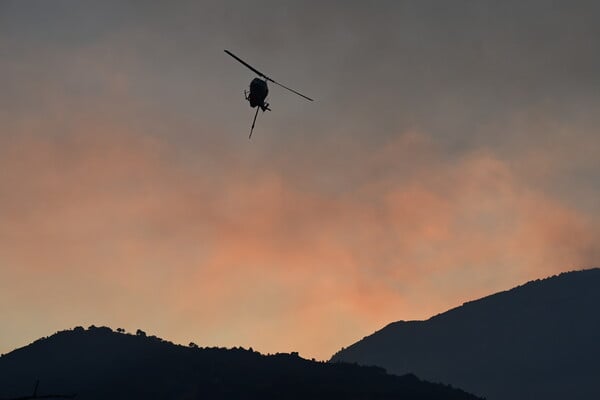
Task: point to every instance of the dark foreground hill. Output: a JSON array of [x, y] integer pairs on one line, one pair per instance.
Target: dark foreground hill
[[101, 364], [537, 341]]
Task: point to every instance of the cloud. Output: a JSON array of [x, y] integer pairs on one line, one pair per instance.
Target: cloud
[[116, 224], [439, 164]]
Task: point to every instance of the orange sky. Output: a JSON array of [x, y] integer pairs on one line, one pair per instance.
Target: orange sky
[[111, 229], [130, 199]]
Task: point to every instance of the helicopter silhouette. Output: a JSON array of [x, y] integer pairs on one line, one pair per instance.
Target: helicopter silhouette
[[259, 90]]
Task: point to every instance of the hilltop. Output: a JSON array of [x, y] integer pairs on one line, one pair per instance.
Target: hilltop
[[535, 341], [99, 363]]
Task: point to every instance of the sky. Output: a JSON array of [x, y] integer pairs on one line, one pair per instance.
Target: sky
[[452, 151]]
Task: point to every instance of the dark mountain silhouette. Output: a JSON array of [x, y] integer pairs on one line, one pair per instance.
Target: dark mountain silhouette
[[540, 340], [101, 364]]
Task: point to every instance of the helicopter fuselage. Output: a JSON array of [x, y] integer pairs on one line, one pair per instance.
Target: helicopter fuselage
[[258, 93]]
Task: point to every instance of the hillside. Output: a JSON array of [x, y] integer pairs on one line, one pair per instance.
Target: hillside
[[536, 341], [98, 363]]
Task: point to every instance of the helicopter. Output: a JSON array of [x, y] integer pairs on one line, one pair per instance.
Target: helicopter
[[259, 90]]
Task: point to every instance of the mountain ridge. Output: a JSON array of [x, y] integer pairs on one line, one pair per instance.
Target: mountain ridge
[[542, 331], [99, 363]]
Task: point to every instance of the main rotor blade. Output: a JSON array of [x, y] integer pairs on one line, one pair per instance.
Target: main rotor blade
[[247, 65], [291, 90], [264, 76], [253, 122]]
